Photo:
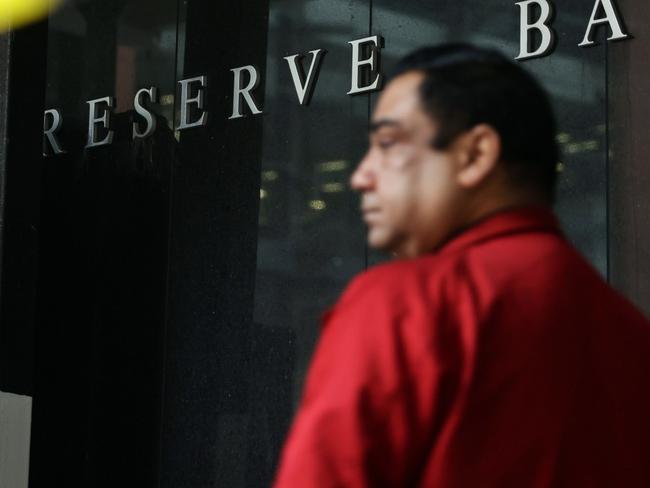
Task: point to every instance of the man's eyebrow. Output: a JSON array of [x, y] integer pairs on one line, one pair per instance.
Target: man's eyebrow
[[375, 126]]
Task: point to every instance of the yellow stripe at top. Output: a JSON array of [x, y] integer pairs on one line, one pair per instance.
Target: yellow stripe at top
[[17, 13]]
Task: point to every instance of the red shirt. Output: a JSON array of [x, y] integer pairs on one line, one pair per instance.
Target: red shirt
[[502, 359]]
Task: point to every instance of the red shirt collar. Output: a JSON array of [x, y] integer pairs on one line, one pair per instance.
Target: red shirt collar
[[503, 222]]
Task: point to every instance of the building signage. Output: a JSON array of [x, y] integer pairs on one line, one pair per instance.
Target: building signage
[[537, 38], [603, 13]]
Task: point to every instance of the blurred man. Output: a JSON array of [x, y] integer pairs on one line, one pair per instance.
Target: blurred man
[[490, 353]]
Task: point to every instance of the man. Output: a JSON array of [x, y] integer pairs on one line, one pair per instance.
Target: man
[[490, 353]]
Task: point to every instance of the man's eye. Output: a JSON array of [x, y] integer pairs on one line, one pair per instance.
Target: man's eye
[[385, 144]]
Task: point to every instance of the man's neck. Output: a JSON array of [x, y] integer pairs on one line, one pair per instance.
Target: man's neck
[[499, 201]]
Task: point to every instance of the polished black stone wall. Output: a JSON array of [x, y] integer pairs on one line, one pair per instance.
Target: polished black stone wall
[[22, 79], [211, 355], [103, 252], [160, 298]]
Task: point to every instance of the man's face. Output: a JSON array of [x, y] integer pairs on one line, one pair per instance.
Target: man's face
[[409, 191]]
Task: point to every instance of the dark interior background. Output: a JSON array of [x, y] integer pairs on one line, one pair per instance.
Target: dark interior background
[[160, 298]]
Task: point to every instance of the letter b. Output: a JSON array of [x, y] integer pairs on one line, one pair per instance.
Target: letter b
[[541, 25]]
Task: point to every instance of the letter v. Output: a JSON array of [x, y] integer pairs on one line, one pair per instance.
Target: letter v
[[305, 87]]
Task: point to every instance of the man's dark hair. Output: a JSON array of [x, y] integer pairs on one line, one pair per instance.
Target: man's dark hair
[[465, 86]]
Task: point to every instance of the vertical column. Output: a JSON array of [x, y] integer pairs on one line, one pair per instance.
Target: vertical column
[[22, 84], [629, 145], [4, 87], [214, 215]]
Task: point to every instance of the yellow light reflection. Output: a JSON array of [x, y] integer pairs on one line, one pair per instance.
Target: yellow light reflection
[[332, 166], [317, 205], [583, 146], [17, 13], [167, 100], [333, 187], [269, 175], [590, 145], [563, 138]]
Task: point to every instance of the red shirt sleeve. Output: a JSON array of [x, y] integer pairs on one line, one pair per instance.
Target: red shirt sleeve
[[370, 408]]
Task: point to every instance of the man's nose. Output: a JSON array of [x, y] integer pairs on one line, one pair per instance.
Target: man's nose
[[363, 177]]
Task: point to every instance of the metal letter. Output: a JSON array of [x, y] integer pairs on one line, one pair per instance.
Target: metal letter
[[611, 18], [146, 114], [50, 132], [199, 100], [94, 119], [373, 61], [541, 24], [305, 87], [238, 91]]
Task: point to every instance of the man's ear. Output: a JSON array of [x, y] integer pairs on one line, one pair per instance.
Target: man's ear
[[479, 151]]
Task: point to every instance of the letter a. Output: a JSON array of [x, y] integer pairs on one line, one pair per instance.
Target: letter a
[[610, 18], [541, 24]]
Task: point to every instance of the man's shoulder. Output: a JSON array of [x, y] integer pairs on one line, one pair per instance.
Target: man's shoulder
[[484, 271], [395, 282]]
